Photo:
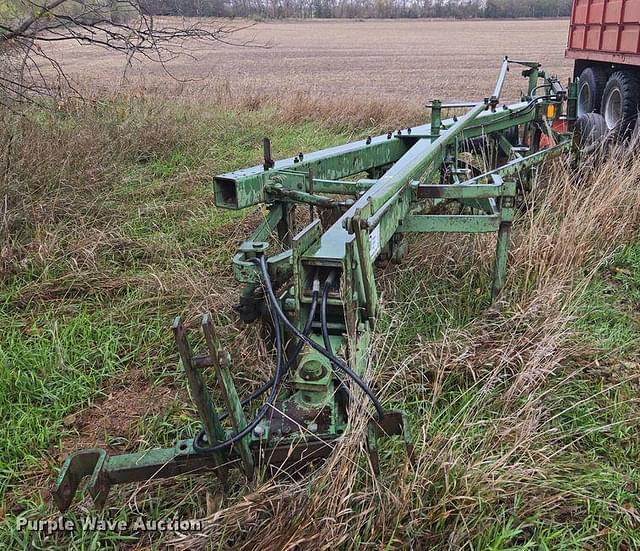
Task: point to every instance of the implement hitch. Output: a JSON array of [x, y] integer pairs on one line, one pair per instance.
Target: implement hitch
[[317, 292]]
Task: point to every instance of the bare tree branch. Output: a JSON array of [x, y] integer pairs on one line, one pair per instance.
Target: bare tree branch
[[28, 23], [120, 25]]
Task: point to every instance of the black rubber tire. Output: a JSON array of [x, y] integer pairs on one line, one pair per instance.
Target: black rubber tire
[[513, 135], [593, 81], [621, 102], [590, 130]]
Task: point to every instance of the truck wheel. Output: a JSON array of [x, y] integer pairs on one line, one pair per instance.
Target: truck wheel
[[590, 131], [592, 83], [620, 103]]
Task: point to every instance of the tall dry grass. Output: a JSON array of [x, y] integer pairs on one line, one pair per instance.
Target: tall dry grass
[[57, 164], [492, 449], [340, 112]]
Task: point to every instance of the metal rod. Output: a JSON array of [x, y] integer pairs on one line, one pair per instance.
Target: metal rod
[[268, 158], [497, 92], [502, 251], [303, 197], [436, 119], [199, 393], [366, 270], [458, 105], [517, 165], [414, 163], [221, 363]]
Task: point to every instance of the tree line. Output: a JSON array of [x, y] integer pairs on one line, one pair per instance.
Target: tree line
[[462, 9]]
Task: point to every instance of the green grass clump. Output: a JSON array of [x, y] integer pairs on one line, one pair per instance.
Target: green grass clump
[[610, 308], [50, 366]]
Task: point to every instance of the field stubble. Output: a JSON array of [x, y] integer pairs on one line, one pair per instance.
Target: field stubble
[[405, 61]]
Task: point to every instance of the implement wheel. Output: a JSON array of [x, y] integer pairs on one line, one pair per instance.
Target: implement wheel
[[590, 132]]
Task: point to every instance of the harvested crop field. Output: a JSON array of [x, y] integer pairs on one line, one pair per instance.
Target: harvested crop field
[[401, 60]]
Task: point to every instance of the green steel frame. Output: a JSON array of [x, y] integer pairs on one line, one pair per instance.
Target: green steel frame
[[363, 197]]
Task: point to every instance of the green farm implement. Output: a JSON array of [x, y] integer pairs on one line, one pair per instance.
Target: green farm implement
[[315, 288]]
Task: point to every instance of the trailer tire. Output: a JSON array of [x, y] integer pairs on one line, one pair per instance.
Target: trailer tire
[[620, 103], [593, 81], [590, 131]]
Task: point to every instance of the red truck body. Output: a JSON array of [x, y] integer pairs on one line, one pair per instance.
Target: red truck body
[[606, 31]]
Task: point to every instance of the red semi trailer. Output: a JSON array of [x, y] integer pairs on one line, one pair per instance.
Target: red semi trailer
[[604, 39]]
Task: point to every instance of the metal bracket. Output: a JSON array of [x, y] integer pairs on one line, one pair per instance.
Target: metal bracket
[[77, 466], [394, 423]]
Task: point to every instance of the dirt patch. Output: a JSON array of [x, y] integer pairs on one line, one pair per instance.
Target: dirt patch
[[112, 422]]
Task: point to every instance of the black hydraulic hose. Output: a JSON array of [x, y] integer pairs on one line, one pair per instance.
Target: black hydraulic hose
[[294, 356], [323, 312], [274, 384], [253, 396], [198, 444], [337, 362], [324, 326], [532, 104]]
